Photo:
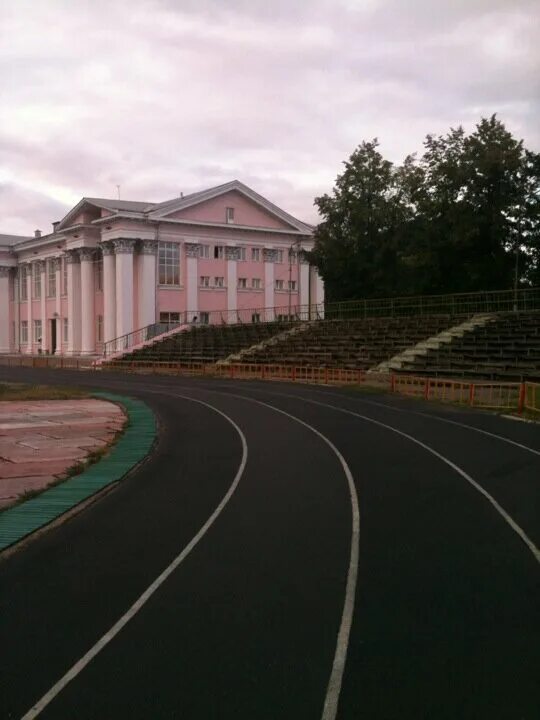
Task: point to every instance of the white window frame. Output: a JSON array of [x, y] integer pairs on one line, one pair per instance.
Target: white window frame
[[242, 283], [279, 254], [242, 254], [219, 281], [279, 285], [255, 254], [204, 281], [229, 215], [169, 264], [64, 276], [23, 283], [24, 332], [51, 278], [292, 285], [38, 330], [204, 318], [65, 330], [204, 252], [219, 252], [36, 282], [256, 283], [99, 274], [169, 318]]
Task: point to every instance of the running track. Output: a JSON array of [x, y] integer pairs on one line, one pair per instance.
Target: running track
[[281, 601]]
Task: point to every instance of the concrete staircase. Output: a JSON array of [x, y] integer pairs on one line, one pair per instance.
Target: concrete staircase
[[432, 343], [243, 355]]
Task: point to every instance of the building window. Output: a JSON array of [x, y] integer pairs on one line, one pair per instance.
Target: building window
[[293, 257], [37, 281], [292, 285], [169, 263], [242, 253], [255, 317], [279, 256], [64, 276], [65, 330], [24, 331], [205, 318], [99, 328], [256, 254], [229, 214], [204, 251], [169, 318], [256, 283], [13, 333], [242, 283], [99, 274], [37, 331], [23, 282], [51, 278], [218, 252], [205, 281], [219, 282], [279, 284]]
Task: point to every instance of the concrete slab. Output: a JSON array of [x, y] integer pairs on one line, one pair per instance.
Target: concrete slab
[[39, 440]]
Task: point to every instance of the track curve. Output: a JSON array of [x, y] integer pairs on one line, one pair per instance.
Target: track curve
[[445, 619]]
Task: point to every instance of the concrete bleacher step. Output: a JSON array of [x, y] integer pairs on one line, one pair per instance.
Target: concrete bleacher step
[[408, 356], [244, 354]]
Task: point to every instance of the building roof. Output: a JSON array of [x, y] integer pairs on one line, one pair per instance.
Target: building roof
[[13, 239], [113, 205]]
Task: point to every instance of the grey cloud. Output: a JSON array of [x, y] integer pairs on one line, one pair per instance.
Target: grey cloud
[[164, 96]]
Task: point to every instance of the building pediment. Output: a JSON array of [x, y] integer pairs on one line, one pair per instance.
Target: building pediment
[[210, 206]]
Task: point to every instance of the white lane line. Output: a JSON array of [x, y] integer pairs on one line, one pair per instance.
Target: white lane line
[[147, 594], [502, 512], [431, 417], [338, 666]]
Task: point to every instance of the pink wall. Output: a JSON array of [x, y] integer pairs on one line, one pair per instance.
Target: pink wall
[[246, 212]]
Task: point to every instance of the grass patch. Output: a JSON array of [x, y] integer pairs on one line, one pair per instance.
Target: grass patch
[[21, 391]]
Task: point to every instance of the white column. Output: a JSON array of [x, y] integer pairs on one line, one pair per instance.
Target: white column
[[29, 280], [44, 328], [304, 287], [58, 305], [74, 302], [124, 286], [192, 280], [88, 317], [232, 255], [17, 310], [269, 294], [109, 292], [4, 303], [317, 294], [147, 283]]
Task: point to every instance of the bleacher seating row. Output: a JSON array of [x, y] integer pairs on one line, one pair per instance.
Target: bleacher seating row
[[506, 347]]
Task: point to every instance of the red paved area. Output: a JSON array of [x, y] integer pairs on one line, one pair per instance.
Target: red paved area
[[39, 440]]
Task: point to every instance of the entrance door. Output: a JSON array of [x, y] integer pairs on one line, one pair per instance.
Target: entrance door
[[53, 336]]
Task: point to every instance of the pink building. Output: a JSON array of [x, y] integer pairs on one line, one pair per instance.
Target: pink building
[[114, 266]]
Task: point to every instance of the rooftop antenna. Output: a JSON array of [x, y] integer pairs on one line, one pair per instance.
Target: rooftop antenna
[[118, 191]]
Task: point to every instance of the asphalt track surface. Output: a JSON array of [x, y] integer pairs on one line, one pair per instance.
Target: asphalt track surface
[[253, 620]]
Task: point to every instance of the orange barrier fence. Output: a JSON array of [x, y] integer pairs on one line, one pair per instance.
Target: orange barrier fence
[[47, 361], [514, 396], [531, 399]]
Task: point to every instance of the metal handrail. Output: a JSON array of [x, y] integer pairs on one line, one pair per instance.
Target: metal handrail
[[406, 306]]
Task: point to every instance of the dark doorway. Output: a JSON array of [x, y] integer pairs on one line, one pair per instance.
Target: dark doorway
[[53, 337]]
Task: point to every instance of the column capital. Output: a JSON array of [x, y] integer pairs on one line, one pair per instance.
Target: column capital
[[55, 263], [87, 254], [192, 250], [72, 257], [148, 247], [232, 253], [124, 246], [107, 247], [39, 265], [270, 255], [4, 271]]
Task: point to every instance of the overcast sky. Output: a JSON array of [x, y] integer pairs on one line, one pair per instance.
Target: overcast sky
[[170, 96]]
